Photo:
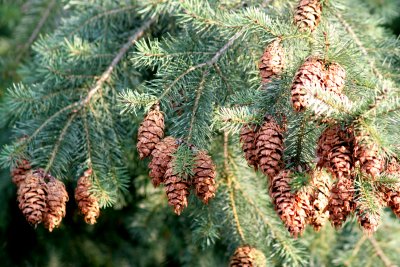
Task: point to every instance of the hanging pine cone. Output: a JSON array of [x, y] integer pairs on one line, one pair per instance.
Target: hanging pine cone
[[291, 210], [162, 155], [151, 131], [32, 197], [271, 62], [308, 14], [334, 151], [341, 201], [322, 185], [248, 136], [269, 144], [87, 202], [335, 79], [177, 189], [309, 76], [57, 198], [368, 221], [367, 157], [391, 196], [246, 256], [18, 174], [204, 177]]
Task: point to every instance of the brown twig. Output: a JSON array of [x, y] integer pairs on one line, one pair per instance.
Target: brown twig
[[380, 252]]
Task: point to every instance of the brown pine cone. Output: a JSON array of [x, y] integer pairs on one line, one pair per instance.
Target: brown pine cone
[[246, 256], [162, 155], [271, 62], [87, 202], [292, 209], [341, 201], [368, 221], [335, 79], [151, 131], [367, 157], [32, 197], [57, 198], [308, 14], [177, 190], [322, 186], [18, 173], [248, 135], [204, 177], [310, 75], [269, 144]]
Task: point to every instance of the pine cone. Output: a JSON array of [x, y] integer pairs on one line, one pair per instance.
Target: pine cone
[[322, 185], [269, 144], [32, 197], [204, 175], [310, 75], [271, 62], [151, 131], [341, 201], [86, 201], [391, 196], [246, 256], [368, 158], [57, 198], [177, 190], [308, 14], [334, 151], [335, 79], [292, 209], [248, 136], [162, 155], [18, 174], [368, 221]]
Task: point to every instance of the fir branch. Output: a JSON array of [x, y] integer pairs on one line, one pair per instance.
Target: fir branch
[[380, 252], [355, 251], [199, 92]]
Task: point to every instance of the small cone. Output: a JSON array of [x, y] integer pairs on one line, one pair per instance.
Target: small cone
[[18, 174], [310, 75], [151, 131], [57, 198], [177, 190], [341, 201], [204, 177], [391, 196], [87, 203], [308, 14], [32, 197], [368, 158], [322, 185], [271, 62], [248, 135], [368, 221], [162, 155], [292, 209], [269, 144], [246, 256], [335, 79]]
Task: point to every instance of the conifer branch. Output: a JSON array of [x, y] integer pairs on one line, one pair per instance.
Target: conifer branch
[[380, 252], [356, 249]]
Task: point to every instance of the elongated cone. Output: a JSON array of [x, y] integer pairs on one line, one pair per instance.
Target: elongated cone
[[151, 131], [248, 135], [246, 256], [308, 14], [341, 201], [310, 75], [291, 208], [391, 196], [271, 62], [57, 198], [32, 197], [322, 186], [334, 151], [161, 156], [367, 157], [18, 173], [177, 190], [335, 78], [204, 177], [368, 221], [269, 144], [87, 202]]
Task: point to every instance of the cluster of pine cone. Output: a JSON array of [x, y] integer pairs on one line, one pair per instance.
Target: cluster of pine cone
[[43, 198], [343, 152], [151, 143]]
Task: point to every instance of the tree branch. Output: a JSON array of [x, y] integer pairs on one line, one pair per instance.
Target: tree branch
[[380, 252]]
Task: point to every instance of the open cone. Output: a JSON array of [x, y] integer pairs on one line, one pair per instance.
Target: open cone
[[341, 201], [18, 173], [271, 63], [308, 14], [246, 256], [87, 202], [204, 177], [248, 135], [57, 198], [177, 189]]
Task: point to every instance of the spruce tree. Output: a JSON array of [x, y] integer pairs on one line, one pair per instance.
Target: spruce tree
[[250, 119]]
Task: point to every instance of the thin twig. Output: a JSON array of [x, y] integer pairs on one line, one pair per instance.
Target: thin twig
[[380, 252], [356, 249]]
